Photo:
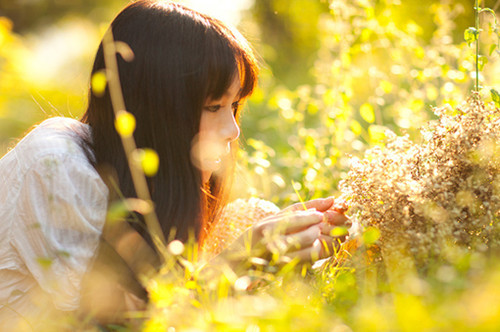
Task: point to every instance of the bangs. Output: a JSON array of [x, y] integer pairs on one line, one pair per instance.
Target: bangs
[[230, 57], [247, 68], [222, 71]]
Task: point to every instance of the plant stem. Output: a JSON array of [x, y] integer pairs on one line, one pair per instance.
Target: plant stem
[[476, 8], [138, 177]]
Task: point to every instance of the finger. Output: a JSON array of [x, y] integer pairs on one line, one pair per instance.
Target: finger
[[310, 254], [335, 218], [320, 204], [291, 223], [300, 240], [340, 206], [132, 302]]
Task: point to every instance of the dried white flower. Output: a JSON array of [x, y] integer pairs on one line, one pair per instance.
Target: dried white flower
[[441, 191]]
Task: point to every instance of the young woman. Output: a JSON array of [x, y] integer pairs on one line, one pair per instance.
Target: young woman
[[185, 85]]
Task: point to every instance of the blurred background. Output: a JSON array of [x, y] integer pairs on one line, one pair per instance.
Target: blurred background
[[334, 75]]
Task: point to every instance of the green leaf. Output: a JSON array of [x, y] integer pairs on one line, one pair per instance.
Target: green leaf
[[117, 211], [356, 128], [149, 160], [44, 262], [371, 235], [493, 47], [367, 113], [125, 123], [339, 231], [471, 35], [386, 86], [63, 253], [482, 60], [495, 96], [98, 83]]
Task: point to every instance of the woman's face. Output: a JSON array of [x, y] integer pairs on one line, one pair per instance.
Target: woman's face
[[218, 128]]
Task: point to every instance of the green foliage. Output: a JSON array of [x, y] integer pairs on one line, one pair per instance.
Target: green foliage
[[495, 96], [370, 73], [336, 75], [471, 35], [371, 235], [291, 37], [98, 83], [38, 80]]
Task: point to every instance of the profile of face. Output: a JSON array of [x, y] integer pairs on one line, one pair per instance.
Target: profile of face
[[218, 128]]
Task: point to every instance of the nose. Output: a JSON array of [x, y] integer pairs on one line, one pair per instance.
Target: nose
[[230, 130]]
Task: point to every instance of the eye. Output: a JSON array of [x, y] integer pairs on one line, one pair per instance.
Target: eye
[[235, 106], [212, 108]]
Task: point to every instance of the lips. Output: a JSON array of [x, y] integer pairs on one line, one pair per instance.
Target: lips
[[208, 155]]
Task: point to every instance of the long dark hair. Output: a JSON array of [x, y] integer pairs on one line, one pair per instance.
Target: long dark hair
[[181, 58]]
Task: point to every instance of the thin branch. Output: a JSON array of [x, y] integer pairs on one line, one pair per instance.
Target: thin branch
[[476, 12], [138, 177]]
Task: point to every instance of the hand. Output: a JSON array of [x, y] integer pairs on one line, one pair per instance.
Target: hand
[[333, 217], [288, 235], [292, 233]]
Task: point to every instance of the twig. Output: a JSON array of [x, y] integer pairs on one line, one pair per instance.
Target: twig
[[138, 177]]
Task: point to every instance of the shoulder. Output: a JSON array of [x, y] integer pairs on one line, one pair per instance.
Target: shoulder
[[56, 148], [51, 155], [55, 138]]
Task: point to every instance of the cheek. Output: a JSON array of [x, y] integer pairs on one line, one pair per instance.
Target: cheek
[[205, 122], [209, 146], [206, 148], [207, 133]]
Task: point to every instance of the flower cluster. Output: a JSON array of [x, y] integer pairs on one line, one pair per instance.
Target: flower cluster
[[444, 190]]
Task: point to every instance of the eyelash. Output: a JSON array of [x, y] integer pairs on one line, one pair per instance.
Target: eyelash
[[235, 106], [214, 108]]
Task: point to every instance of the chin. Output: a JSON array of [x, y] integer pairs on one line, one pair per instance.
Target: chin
[[205, 176]]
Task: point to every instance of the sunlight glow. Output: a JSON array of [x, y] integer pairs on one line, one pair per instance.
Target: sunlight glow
[[228, 11]]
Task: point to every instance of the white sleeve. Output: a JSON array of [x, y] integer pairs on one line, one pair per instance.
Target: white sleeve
[[58, 220]]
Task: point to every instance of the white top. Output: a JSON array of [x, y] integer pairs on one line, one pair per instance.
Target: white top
[[52, 210]]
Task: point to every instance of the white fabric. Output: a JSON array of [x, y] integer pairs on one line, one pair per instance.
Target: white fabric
[[52, 209]]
